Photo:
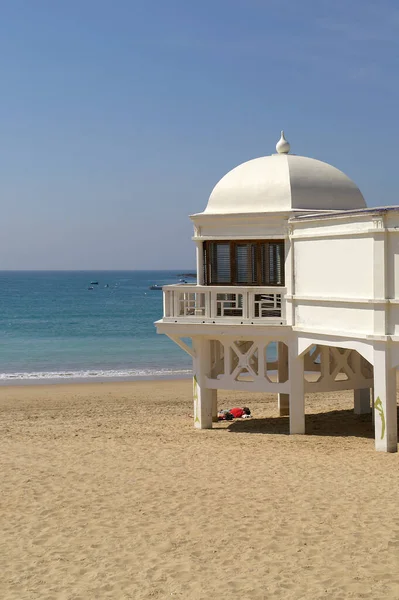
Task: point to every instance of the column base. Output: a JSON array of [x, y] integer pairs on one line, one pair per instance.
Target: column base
[[202, 406], [385, 407], [214, 406]]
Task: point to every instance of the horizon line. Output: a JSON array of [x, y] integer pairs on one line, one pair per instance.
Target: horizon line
[[193, 269]]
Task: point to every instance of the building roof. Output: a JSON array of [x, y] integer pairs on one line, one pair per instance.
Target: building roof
[[283, 182], [356, 212]]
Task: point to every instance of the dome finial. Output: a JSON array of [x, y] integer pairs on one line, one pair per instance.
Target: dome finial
[[282, 145]]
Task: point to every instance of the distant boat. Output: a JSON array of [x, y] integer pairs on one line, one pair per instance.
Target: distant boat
[[155, 287], [93, 282], [106, 285], [90, 287], [182, 281]]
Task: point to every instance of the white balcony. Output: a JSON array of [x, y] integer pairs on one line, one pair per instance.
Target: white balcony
[[219, 304]]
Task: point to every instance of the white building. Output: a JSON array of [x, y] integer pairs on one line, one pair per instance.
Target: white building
[[288, 252]]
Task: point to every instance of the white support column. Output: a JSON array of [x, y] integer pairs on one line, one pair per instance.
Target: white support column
[[200, 263], [372, 406], [283, 399], [176, 303], [203, 397], [297, 389], [166, 303], [214, 406], [385, 410], [361, 401]]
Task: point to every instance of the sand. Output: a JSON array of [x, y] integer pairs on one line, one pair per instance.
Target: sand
[[107, 491]]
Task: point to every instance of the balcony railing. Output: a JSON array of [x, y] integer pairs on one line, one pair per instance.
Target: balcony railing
[[208, 304]]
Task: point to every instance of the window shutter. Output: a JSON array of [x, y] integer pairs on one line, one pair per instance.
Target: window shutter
[[265, 264], [246, 267], [279, 263], [244, 263], [207, 264], [220, 262]]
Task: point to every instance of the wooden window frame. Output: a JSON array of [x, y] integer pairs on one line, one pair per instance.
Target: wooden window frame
[[207, 245]]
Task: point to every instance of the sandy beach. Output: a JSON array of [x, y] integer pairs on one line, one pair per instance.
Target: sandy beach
[[107, 491]]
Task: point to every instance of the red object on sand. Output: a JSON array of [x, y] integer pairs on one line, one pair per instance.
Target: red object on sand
[[237, 412]]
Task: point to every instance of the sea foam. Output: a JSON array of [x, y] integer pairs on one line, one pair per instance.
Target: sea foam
[[95, 374]]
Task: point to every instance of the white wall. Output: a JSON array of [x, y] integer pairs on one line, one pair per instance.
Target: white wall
[[244, 226], [334, 267], [393, 265], [393, 319], [328, 226], [335, 317]]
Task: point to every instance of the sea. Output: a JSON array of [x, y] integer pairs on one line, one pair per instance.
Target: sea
[[59, 326], [54, 328]]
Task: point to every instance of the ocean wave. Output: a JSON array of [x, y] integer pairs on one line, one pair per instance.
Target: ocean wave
[[95, 374]]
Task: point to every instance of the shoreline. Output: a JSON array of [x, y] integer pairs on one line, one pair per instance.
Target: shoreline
[[84, 380], [176, 376]]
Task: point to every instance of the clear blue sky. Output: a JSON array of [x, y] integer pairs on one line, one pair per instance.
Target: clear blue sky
[[118, 117]]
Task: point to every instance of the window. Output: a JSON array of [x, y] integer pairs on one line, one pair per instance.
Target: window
[[220, 263], [244, 263], [245, 260]]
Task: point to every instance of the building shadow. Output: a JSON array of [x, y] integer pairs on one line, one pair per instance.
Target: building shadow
[[335, 423], [276, 425]]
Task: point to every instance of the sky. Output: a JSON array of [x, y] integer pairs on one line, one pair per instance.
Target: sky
[[118, 117]]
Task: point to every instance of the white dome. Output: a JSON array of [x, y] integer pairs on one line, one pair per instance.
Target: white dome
[[283, 182]]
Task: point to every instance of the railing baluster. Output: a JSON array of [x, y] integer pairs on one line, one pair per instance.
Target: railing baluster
[[250, 304], [283, 308], [213, 304], [207, 301]]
